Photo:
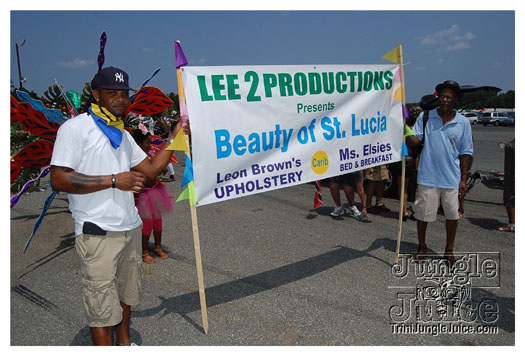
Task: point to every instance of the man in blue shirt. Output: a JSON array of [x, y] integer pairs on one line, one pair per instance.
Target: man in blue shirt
[[443, 165]]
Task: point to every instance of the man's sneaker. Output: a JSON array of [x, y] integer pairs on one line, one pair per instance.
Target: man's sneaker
[[338, 211], [354, 211]]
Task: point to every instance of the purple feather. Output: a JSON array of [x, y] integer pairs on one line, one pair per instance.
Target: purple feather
[[101, 57]]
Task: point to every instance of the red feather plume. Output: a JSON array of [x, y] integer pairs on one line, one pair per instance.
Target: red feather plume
[[37, 154], [149, 101]]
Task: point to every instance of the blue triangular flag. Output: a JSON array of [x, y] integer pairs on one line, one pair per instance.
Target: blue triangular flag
[[404, 150], [188, 172]]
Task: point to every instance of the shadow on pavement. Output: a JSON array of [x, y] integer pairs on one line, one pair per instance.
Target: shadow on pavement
[[486, 223], [35, 216], [83, 337], [506, 306], [247, 286], [67, 243]]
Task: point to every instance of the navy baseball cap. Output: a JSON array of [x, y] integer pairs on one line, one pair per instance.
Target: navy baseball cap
[[111, 78]]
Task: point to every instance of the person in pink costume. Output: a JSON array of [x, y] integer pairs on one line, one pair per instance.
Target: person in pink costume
[[152, 201]]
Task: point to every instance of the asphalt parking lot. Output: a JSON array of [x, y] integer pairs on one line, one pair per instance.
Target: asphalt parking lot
[[278, 272]]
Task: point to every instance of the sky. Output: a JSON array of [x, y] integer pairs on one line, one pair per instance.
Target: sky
[[472, 47]]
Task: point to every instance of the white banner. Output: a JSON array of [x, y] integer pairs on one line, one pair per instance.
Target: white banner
[[259, 128]]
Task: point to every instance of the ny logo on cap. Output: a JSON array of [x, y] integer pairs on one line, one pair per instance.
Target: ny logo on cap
[[119, 77]]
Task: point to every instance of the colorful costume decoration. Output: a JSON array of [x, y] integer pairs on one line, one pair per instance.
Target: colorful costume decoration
[[149, 101], [101, 58], [53, 115], [153, 202], [75, 98], [44, 122]]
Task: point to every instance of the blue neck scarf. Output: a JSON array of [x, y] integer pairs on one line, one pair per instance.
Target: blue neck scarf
[[110, 125]]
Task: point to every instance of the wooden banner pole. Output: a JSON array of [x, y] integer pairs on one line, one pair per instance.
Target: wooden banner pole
[[198, 259], [195, 224], [402, 193], [402, 200]]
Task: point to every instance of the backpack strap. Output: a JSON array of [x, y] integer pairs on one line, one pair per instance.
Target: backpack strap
[[425, 120]]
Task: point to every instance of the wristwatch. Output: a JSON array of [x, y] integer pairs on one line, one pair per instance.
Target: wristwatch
[[113, 181], [170, 140]]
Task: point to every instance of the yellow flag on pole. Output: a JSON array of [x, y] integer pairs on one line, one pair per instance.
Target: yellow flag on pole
[[398, 95], [179, 142], [393, 55]]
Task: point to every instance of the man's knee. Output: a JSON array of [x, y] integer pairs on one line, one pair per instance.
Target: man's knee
[[101, 303]]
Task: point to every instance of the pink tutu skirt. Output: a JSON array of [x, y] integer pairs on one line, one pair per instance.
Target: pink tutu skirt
[[153, 202]]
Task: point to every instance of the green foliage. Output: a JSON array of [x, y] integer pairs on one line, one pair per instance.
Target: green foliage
[[503, 101], [175, 98], [506, 100]]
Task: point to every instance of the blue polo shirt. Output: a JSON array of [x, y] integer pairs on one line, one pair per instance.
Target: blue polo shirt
[[439, 162]]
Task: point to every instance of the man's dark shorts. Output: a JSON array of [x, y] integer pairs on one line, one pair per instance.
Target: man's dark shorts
[[348, 179]]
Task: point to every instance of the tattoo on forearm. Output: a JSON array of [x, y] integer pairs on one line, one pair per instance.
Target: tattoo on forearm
[[79, 180]]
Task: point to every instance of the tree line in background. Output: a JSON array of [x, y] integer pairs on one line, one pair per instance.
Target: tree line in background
[[502, 101]]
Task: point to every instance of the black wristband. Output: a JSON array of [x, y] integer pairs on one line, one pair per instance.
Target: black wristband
[[113, 181]]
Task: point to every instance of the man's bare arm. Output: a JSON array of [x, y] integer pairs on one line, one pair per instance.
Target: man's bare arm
[[412, 142], [67, 180], [464, 164], [152, 168]]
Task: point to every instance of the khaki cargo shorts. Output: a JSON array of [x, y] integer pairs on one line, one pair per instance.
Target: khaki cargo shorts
[[427, 203], [111, 268], [377, 173]]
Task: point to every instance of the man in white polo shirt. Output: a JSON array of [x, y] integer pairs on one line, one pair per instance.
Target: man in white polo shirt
[[99, 164], [443, 166]]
